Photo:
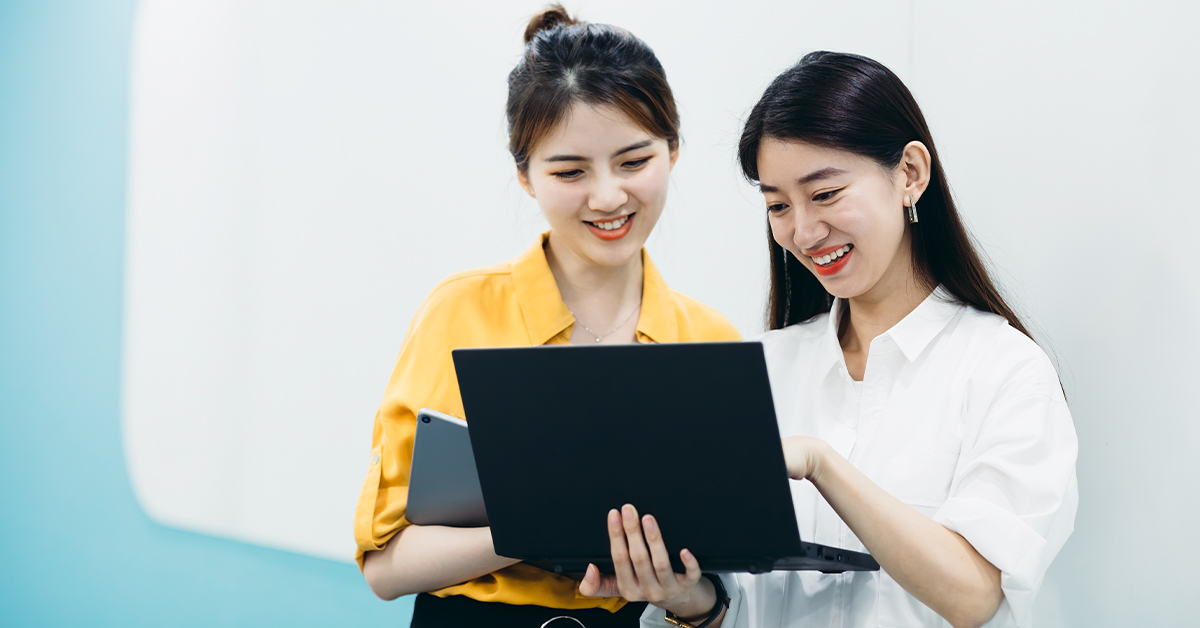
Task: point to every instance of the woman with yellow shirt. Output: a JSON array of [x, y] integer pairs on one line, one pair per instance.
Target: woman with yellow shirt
[[594, 133]]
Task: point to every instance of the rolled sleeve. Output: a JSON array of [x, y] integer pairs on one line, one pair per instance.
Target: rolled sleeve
[[384, 496], [422, 377], [1015, 494]]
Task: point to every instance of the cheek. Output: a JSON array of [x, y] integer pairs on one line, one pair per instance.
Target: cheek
[[877, 234], [781, 231], [885, 229], [558, 200], [650, 185]]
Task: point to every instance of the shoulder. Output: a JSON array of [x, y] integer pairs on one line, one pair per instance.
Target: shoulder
[[475, 288], [471, 284], [1003, 357], [464, 302], [794, 346], [796, 335], [702, 322]]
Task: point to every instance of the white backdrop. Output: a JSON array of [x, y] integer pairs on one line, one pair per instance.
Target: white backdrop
[[302, 173]]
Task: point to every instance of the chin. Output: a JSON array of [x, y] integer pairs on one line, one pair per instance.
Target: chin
[[842, 287], [615, 253]]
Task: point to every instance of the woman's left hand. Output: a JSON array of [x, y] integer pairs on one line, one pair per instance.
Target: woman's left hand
[[803, 455], [643, 569]]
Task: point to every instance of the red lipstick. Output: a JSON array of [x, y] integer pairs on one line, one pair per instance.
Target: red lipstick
[[615, 234], [836, 266]]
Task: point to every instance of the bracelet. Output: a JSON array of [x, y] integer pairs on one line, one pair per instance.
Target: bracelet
[[722, 603]]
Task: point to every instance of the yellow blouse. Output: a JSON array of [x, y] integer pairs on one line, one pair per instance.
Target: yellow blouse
[[516, 303]]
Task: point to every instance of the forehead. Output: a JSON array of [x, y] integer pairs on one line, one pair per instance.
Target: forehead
[[783, 162], [591, 131]]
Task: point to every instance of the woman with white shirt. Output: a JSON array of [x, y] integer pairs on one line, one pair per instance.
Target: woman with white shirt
[[921, 422]]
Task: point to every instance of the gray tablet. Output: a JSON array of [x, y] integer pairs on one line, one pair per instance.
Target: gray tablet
[[443, 488]]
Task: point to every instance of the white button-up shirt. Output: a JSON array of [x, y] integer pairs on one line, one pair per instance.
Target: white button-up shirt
[[959, 416]]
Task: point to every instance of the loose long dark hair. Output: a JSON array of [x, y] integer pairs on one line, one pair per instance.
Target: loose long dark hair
[[855, 104], [565, 62]]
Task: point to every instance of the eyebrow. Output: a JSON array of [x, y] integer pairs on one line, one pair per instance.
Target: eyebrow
[[817, 175], [631, 147]]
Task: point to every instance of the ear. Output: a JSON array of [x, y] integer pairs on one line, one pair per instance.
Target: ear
[[915, 167], [674, 158], [523, 179]]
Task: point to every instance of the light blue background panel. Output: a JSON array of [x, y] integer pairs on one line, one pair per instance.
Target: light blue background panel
[[1068, 131], [75, 548]]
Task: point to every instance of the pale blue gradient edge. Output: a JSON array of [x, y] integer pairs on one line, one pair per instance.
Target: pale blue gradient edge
[[75, 547]]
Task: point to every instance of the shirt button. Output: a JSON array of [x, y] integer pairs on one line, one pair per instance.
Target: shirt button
[[852, 423], [375, 460]]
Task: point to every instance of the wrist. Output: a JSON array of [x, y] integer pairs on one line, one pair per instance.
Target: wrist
[[699, 602], [822, 459]]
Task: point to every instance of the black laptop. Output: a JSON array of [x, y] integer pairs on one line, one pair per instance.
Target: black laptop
[[686, 432]]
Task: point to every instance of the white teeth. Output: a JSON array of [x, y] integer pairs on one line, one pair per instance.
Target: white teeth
[[825, 259], [615, 224]]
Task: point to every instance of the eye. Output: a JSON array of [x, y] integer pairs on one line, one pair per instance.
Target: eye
[[637, 163], [824, 196], [776, 208], [567, 175]]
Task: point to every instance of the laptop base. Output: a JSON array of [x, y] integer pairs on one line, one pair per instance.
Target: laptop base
[[816, 557]]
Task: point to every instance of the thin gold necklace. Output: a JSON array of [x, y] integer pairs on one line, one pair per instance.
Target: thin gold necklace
[[600, 337]]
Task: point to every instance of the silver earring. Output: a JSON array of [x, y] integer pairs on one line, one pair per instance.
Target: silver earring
[[911, 210], [787, 288]]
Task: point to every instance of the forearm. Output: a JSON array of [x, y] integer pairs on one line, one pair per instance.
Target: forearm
[[936, 565], [428, 558]]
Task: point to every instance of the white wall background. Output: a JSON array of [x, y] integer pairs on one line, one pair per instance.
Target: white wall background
[[302, 173]]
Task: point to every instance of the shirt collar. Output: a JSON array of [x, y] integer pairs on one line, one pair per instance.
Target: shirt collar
[[541, 304], [914, 332], [830, 354], [657, 321], [546, 315]]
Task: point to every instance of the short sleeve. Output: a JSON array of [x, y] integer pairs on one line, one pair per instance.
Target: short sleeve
[[423, 377], [1014, 492], [697, 322]]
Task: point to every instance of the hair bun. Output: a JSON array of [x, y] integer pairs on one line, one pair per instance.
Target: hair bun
[[553, 15]]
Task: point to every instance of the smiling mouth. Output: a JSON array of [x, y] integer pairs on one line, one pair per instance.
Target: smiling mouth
[[612, 229], [611, 225], [832, 257]]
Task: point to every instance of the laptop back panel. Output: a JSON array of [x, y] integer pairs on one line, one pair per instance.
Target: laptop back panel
[[663, 427]]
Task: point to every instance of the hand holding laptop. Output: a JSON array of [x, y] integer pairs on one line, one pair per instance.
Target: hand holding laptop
[[538, 428], [643, 569], [643, 565]]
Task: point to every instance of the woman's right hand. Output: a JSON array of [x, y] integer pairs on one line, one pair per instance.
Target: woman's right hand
[[644, 572], [804, 456]]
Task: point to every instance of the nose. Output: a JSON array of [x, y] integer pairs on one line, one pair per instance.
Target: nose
[[808, 230], [607, 194]]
